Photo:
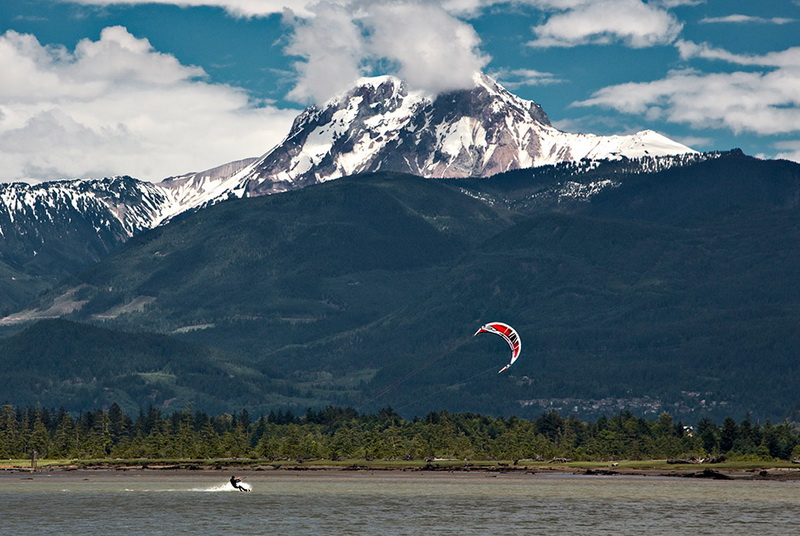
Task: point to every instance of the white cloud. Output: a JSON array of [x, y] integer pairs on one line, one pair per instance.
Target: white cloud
[[789, 58], [763, 103], [433, 50], [422, 44], [580, 22], [466, 7], [516, 78], [116, 106], [744, 19], [333, 50], [788, 150]]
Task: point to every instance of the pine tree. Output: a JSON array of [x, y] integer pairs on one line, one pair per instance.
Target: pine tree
[[10, 433]]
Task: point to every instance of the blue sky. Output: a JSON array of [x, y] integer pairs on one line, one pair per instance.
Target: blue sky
[[92, 88]]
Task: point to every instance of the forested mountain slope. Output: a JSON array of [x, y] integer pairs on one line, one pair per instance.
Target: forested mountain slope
[[674, 290]]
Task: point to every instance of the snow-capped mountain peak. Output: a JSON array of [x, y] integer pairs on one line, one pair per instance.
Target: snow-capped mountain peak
[[381, 125]]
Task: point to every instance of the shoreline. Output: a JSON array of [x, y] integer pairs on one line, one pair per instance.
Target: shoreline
[[756, 472]]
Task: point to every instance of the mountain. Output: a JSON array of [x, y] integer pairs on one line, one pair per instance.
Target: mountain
[[672, 290], [382, 126]]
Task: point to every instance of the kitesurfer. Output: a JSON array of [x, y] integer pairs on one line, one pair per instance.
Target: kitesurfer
[[236, 482]]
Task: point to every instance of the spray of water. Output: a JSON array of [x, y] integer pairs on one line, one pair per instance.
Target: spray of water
[[226, 487]]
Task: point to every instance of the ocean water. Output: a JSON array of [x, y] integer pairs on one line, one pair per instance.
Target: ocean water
[[377, 504]]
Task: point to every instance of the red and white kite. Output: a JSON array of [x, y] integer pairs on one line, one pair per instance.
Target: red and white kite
[[509, 334]]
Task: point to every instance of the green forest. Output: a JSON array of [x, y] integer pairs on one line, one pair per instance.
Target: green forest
[[342, 433]]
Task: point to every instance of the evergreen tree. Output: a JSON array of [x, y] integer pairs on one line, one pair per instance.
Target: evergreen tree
[[65, 440], [728, 435], [10, 434], [39, 437], [708, 433]]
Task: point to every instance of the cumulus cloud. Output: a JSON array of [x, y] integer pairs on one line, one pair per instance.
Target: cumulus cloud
[[432, 50], [332, 48], [763, 101], [422, 44], [117, 106], [338, 41], [580, 22]]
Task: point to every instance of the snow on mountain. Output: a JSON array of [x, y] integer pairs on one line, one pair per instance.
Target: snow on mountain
[[380, 125], [121, 205], [199, 189]]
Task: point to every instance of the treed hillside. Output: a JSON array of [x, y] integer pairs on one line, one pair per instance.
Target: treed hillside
[[670, 291], [74, 366]]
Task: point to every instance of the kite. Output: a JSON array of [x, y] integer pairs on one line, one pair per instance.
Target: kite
[[509, 334]]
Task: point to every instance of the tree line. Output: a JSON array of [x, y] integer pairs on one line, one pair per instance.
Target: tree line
[[342, 433]]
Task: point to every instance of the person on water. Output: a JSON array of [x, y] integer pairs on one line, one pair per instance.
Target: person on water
[[236, 482]]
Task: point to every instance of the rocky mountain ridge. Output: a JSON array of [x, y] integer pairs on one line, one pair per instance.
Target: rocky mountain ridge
[[380, 125]]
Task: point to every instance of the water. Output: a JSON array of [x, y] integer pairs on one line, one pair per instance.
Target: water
[[381, 504]]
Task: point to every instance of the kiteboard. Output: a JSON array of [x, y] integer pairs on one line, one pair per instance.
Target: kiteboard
[[237, 483]]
